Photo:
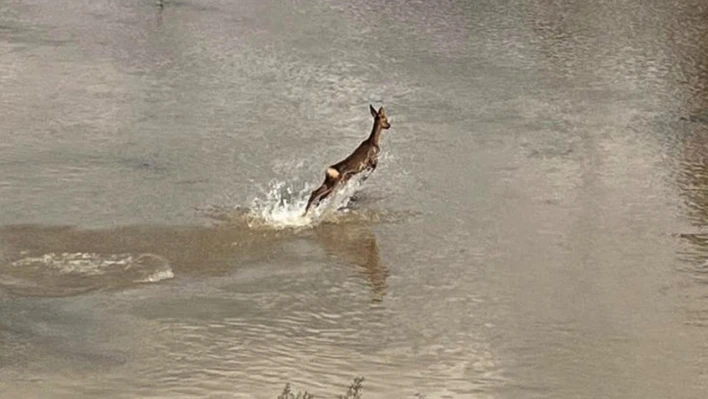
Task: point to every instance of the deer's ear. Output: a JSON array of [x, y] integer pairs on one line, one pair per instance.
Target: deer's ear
[[382, 111], [373, 111]]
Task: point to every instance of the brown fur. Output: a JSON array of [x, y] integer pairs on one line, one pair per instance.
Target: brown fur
[[364, 157]]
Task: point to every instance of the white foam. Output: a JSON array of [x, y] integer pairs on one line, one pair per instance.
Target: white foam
[[135, 267], [157, 276], [282, 207], [153, 267], [87, 264]]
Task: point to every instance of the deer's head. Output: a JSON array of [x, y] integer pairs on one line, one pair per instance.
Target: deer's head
[[380, 117]]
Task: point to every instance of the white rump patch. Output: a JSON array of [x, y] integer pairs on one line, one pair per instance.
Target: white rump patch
[[333, 173]]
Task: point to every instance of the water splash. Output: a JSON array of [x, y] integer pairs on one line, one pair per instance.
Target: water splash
[[281, 206]]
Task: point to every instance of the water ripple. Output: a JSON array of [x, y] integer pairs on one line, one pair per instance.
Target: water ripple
[[59, 274]]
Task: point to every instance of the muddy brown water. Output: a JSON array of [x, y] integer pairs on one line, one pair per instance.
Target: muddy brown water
[[536, 227]]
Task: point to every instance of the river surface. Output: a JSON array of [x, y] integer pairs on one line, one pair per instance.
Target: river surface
[[537, 226]]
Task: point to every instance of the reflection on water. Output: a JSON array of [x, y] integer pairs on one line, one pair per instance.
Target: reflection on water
[[356, 245]]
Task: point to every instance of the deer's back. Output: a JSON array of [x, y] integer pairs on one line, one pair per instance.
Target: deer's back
[[357, 160]]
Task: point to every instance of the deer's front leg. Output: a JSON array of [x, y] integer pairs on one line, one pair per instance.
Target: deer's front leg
[[370, 168]]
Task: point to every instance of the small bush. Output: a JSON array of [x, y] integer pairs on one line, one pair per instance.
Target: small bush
[[288, 394], [355, 389], [354, 392]]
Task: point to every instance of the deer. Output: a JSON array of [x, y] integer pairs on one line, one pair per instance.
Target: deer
[[364, 158]]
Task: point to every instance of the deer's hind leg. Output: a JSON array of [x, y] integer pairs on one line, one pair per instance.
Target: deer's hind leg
[[332, 177], [317, 195]]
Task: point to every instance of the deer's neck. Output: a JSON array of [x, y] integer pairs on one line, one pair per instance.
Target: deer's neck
[[375, 135]]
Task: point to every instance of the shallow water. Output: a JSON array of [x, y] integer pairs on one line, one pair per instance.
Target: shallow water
[[537, 226]]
